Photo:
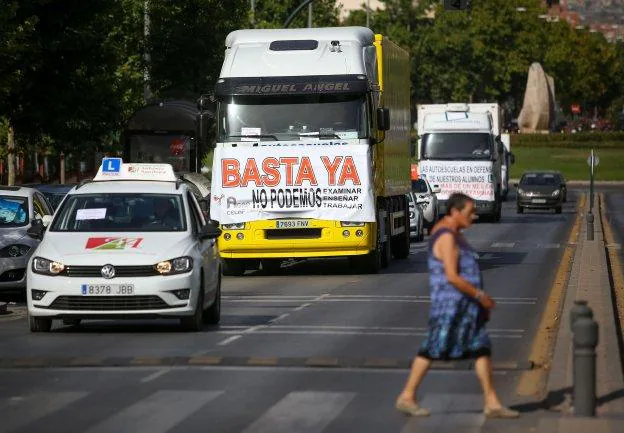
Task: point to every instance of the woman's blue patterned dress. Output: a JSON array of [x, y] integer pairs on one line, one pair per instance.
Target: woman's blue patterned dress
[[456, 321]]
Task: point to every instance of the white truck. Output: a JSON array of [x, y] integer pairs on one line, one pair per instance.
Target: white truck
[[460, 150]]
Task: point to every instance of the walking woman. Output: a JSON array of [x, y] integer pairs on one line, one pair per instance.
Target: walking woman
[[459, 310]]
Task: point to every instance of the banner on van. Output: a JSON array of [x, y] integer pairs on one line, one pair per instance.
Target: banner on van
[[473, 178], [321, 182]]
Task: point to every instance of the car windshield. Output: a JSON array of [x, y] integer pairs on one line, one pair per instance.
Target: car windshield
[[13, 211], [54, 198], [127, 212], [457, 146], [419, 186], [293, 117], [539, 179]]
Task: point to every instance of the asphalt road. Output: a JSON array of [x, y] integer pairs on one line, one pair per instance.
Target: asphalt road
[[614, 213], [314, 313]]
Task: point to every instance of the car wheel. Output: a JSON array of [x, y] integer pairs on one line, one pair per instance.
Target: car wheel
[[39, 324], [195, 322], [558, 209], [519, 209], [233, 267], [212, 316], [71, 322]]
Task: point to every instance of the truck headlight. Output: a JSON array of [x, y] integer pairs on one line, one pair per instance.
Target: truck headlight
[[235, 226], [174, 266], [46, 267], [351, 224], [556, 193]]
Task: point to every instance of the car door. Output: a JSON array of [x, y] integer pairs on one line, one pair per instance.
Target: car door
[[207, 247]]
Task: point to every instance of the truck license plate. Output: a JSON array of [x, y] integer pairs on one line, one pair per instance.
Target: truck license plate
[[107, 289], [539, 200], [291, 224]]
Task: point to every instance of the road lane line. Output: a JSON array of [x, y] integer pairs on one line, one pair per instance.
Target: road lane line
[[276, 330], [278, 318], [157, 413], [301, 307], [18, 411], [155, 375], [533, 383], [302, 412], [229, 340]]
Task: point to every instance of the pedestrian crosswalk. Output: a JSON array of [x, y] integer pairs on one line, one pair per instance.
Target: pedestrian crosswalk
[[175, 410]]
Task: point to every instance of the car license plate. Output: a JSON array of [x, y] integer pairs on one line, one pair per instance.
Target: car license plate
[[291, 224], [107, 289], [539, 200]]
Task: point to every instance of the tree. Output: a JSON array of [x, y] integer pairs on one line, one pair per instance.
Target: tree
[[273, 14]]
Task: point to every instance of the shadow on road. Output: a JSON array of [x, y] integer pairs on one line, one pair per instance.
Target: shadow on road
[[561, 400]]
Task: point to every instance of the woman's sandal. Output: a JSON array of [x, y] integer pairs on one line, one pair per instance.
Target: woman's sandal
[[411, 408], [500, 412]]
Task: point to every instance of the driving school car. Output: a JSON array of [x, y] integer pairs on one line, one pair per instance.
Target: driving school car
[[131, 243]]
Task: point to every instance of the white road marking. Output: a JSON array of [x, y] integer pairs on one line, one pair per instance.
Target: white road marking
[[19, 411], [277, 319], [157, 413], [229, 340], [155, 375], [302, 412], [301, 307]]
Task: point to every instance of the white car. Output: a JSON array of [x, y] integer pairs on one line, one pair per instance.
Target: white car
[[427, 199], [417, 227], [131, 243]]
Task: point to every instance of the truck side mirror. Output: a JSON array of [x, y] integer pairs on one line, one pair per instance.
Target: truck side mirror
[[383, 119]]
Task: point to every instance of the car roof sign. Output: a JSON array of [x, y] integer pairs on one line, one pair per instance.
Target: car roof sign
[[115, 169]]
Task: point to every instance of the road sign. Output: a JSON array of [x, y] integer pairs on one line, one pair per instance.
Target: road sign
[[111, 165]]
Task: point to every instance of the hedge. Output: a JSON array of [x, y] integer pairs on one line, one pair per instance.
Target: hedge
[[599, 140]]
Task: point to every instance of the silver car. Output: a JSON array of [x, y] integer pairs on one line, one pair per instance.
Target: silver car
[[428, 199], [19, 206], [417, 229]]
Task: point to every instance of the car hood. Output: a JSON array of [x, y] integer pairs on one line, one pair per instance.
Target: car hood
[[119, 249], [13, 235]]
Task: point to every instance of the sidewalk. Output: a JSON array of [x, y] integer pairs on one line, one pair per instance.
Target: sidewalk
[[589, 280]]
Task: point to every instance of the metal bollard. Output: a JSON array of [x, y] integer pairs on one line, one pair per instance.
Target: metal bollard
[[590, 226], [585, 342], [580, 309]]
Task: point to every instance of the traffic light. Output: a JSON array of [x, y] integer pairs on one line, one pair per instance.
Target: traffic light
[[456, 5]]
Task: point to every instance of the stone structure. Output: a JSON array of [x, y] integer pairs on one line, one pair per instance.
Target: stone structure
[[538, 109]]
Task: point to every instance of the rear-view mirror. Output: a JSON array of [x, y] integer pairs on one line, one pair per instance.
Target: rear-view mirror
[[36, 229], [383, 119], [46, 220], [210, 231]]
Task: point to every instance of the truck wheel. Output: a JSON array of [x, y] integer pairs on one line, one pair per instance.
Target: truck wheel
[[370, 263], [39, 324], [233, 267], [212, 316], [499, 212], [271, 266], [402, 241]]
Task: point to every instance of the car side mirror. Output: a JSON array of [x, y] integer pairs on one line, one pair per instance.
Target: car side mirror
[[383, 119], [46, 220], [204, 205], [36, 229], [210, 231], [436, 189]]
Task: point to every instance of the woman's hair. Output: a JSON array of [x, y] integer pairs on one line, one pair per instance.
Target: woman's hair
[[458, 201]]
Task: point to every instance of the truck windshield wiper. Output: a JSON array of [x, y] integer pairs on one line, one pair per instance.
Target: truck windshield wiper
[[255, 136], [319, 135]]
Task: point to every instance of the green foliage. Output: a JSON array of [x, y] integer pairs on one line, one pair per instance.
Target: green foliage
[[273, 14], [580, 140]]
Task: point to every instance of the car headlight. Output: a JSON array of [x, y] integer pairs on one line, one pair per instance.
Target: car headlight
[[521, 191], [15, 250], [556, 193], [174, 266], [46, 267], [412, 215], [235, 226], [351, 224]]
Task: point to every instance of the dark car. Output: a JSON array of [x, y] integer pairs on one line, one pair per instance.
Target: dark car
[[54, 193], [540, 190]]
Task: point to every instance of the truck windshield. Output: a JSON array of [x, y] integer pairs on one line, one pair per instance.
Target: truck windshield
[[127, 212], [175, 149], [293, 117], [457, 146]]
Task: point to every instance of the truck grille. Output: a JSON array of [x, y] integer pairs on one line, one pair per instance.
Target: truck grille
[[293, 233], [120, 271], [108, 303]]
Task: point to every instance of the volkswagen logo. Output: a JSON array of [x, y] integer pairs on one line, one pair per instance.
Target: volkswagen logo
[[108, 271]]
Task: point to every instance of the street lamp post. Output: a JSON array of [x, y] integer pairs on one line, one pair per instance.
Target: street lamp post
[[368, 13]]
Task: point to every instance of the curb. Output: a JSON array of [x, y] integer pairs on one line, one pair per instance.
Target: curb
[[218, 361]]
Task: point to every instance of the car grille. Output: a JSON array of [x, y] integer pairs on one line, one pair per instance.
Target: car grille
[[108, 303], [12, 275], [120, 271], [293, 233]]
